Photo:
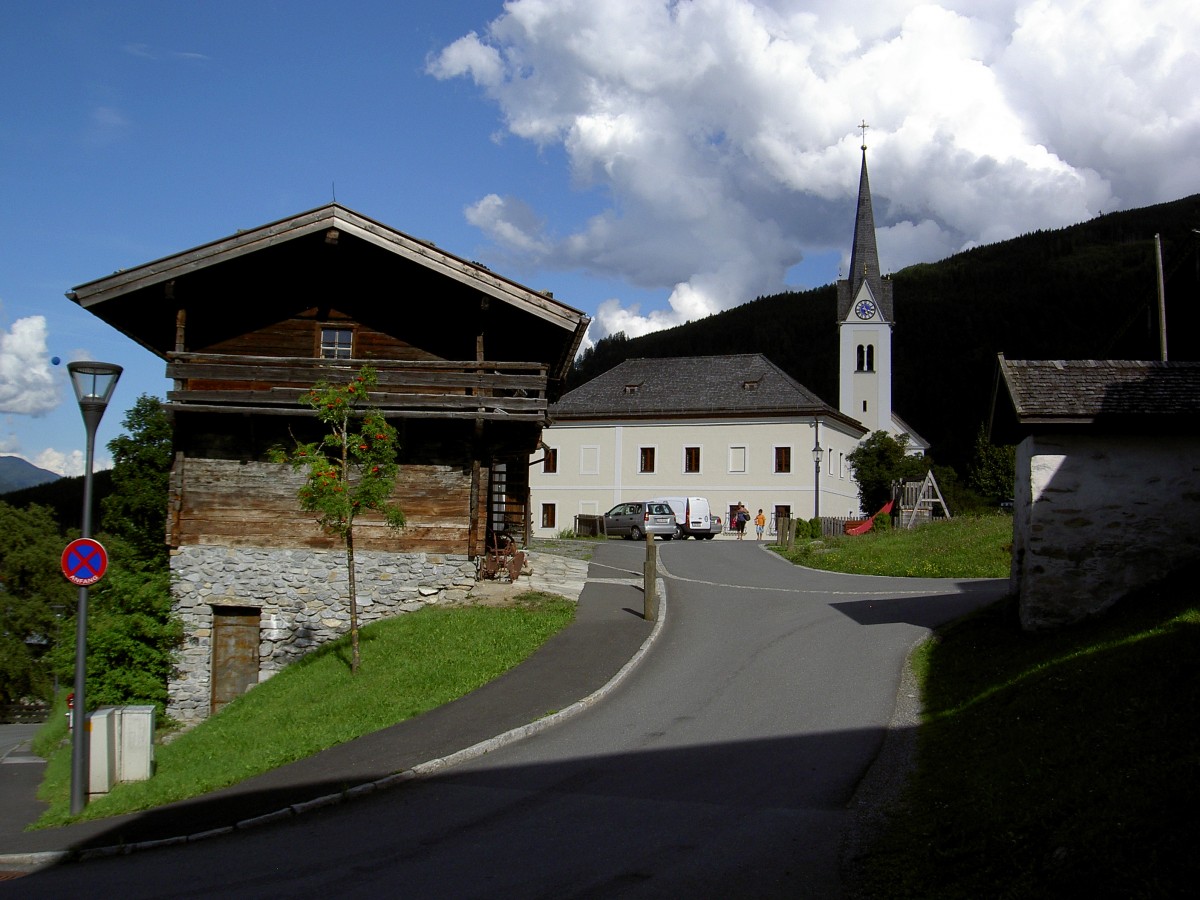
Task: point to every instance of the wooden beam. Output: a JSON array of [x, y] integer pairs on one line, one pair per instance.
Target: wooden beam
[[495, 415]]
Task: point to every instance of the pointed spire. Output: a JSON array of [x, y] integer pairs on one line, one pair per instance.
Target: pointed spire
[[864, 254]]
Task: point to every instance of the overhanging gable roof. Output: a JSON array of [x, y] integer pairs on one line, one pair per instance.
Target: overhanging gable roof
[[694, 387], [1042, 395], [154, 281]]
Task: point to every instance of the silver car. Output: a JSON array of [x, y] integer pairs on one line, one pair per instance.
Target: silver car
[[637, 519]]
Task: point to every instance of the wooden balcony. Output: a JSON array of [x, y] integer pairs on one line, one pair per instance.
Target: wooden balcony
[[268, 385]]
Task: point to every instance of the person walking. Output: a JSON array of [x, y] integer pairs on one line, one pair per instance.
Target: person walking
[[760, 522], [740, 518]]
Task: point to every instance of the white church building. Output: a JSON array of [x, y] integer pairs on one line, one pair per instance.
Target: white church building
[[735, 429]]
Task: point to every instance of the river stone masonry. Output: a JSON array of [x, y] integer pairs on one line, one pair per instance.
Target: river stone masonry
[[302, 596]]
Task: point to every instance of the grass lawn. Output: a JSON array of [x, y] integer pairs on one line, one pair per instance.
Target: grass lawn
[[1052, 764], [952, 548], [410, 664], [1057, 764]]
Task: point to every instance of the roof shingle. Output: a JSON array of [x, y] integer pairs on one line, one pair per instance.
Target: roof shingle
[[1084, 391], [740, 384]]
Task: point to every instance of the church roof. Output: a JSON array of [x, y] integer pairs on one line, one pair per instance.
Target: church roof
[[694, 387], [864, 256], [1121, 394]]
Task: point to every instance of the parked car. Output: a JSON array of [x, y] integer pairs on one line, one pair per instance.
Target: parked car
[[693, 517], [639, 518]]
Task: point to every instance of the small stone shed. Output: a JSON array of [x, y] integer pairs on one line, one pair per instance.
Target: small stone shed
[[1107, 490], [467, 361]]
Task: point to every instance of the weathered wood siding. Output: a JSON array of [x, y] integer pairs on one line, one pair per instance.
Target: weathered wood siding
[[253, 504], [300, 335]]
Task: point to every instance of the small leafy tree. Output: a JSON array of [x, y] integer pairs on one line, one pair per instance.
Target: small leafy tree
[[352, 469], [34, 599], [879, 461], [993, 468], [132, 634]]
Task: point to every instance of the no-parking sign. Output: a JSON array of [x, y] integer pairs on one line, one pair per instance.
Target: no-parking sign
[[84, 561]]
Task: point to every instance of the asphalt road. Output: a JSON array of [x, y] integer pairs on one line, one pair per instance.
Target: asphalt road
[[722, 767]]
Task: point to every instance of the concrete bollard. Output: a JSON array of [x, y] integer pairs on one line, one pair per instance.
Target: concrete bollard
[[650, 581]]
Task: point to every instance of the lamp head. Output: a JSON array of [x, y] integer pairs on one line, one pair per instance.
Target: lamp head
[[93, 381]]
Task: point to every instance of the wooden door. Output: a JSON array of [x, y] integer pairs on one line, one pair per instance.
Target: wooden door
[[235, 653]]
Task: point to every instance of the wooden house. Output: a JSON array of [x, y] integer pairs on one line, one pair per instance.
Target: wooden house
[[467, 363]]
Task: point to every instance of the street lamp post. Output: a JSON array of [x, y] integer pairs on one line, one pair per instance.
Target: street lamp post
[[94, 383], [816, 454]]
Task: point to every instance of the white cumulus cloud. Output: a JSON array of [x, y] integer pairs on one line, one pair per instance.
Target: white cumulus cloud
[[723, 131], [26, 384], [68, 463]]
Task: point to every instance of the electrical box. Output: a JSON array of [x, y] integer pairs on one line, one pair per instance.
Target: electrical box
[[102, 750], [121, 746], [136, 758]]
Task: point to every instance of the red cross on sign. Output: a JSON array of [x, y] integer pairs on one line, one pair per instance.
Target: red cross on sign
[[84, 561]]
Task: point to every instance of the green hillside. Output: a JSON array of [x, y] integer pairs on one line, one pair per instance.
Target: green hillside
[[1083, 292]]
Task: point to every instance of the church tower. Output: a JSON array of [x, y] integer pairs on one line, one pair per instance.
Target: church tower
[[865, 323]]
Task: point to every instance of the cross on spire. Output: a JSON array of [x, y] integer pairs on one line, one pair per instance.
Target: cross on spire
[[864, 126]]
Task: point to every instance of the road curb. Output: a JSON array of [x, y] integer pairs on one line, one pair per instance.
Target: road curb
[[33, 862]]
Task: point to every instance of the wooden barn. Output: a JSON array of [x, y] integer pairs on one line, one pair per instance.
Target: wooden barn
[[467, 363]]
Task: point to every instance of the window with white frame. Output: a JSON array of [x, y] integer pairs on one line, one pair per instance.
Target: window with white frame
[[336, 343], [737, 459]]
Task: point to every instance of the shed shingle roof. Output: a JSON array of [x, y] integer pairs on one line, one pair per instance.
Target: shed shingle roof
[[1093, 391], [693, 386]]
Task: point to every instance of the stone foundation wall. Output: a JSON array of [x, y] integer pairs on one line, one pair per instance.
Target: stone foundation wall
[[302, 596]]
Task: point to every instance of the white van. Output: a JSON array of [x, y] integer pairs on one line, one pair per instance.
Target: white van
[[693, 517]]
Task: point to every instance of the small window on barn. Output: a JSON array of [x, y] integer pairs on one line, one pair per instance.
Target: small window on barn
[[337, 343], [633, 388], [749, 385]]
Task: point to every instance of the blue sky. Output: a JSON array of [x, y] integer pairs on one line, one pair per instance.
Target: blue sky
[[648, 162]]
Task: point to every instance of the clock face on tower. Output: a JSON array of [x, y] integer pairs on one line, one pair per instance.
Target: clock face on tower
[[865, 309]]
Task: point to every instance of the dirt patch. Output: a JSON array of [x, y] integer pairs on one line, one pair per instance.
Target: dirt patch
[[496, 593]]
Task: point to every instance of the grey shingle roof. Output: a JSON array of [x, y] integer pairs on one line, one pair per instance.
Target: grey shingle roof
[[693, 386], [1092, 391]]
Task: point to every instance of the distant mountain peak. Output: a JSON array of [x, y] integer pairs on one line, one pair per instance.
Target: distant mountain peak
[[17, 474]]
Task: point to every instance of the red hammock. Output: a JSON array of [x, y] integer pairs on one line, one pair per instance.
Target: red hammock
[[867, 525]]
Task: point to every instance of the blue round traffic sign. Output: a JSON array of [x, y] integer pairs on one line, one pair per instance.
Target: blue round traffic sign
[[84, 561]]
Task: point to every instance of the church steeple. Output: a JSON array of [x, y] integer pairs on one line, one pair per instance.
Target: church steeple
[[864, 253], [865, 321]]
